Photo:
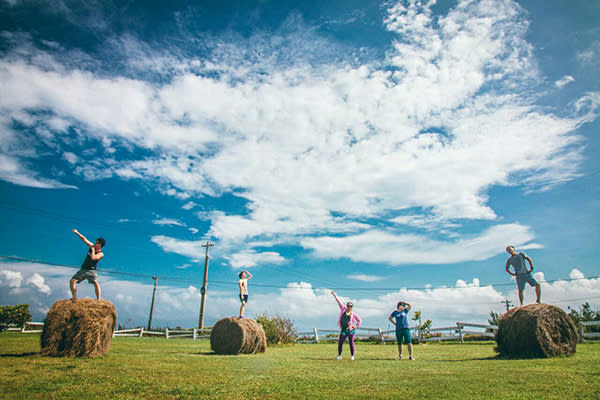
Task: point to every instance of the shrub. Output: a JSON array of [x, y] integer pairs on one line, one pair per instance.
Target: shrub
[[278, 329], [14, 315]]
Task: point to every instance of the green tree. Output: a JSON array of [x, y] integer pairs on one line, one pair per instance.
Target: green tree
[[421, 326], [585, 314], [278, 329], [14, 315]]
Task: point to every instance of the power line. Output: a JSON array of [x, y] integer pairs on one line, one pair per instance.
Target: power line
[[231, 283]]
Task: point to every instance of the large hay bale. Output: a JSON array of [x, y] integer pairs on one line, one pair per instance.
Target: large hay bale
[[536, 330], [235, 335], [79, 328]]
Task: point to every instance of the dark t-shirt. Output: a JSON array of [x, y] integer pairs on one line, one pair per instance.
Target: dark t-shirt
[[344, 321], [88, 263]]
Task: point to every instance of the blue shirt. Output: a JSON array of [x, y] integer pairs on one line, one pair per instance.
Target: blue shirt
[[401, 318]]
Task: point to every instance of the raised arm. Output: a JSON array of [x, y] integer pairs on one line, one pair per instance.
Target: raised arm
[[338, 300], [83, 238], [408, 306], [249, 275]]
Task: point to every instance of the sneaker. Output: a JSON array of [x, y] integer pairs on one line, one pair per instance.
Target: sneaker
[[338, 358], [352, 358], [399, 358], [411, 358]]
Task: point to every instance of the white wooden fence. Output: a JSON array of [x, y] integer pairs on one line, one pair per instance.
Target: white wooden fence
[[588, 335], [454, 332], [136, 332]]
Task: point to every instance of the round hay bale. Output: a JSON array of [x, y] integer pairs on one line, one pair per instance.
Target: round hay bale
[[79, 328], [536, 330], [235, 335]]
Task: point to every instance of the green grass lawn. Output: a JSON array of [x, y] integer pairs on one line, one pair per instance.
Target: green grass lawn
[[155, 368]]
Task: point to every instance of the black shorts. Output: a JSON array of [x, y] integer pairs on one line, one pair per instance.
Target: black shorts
[[244, 298]]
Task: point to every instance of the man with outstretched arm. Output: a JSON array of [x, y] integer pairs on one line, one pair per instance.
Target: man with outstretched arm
[[88, 268], [522, 274]]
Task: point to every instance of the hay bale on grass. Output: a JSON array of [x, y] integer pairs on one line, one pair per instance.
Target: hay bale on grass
[[79, 328], [235, 335], [536, 330]]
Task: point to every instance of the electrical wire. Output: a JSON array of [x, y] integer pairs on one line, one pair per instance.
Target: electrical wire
[[230, 283]]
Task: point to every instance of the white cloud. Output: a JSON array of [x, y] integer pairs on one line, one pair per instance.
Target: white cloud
[[397, 249], [167, 221], [316, 148], [179, 305], [38, 281], [12, 170], [252, 258], [11, 279], [189, 205], [564, 81], [70, 157], [365, 278]]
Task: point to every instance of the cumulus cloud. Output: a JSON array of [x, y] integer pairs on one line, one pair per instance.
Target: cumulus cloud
[[252, 258], [564, 81], [11, 279], [308, 306], [386, 247], [318, 147], [38, 281]]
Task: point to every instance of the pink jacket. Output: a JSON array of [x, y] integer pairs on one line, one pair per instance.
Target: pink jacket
[[354, 318]]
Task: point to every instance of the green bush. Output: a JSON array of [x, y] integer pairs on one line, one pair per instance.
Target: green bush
[[14, 315], [278, 329]]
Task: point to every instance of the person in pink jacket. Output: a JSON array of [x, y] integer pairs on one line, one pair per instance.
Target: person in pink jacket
[[348, 321]]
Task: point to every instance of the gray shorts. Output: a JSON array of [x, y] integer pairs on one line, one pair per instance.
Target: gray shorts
[[522, 278], [90, 274]]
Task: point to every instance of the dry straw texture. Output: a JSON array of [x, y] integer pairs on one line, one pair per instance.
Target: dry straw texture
[[238, 335], [79, 328], [536, 330]]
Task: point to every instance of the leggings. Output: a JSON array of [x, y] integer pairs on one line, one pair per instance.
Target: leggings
[[341, 343]]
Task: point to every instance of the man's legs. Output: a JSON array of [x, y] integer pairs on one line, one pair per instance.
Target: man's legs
[[538, 292], [73, 286], [97, 289], [410, 351], [399, 349], [521, 296], [242, 308]]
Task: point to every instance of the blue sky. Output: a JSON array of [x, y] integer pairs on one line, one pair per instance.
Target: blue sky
[[390, 150]]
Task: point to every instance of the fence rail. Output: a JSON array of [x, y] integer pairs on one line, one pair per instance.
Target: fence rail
[[455, 332], [587, 335]]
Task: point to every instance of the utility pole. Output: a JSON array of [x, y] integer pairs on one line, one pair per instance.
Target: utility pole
[[203, 290], [152, 305], [507, 303]]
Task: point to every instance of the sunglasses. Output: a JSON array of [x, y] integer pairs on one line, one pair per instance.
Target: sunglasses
[[348, 305]]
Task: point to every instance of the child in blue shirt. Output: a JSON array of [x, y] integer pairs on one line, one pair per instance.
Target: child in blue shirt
[[402, 329]]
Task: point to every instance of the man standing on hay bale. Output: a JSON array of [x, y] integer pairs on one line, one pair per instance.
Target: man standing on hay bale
[[522, 274], [88, 268], [243, 283]]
